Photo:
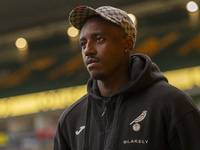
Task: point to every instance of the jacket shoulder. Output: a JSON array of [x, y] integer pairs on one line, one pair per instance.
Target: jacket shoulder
[[167, 92], [78, 105], [171, 99]]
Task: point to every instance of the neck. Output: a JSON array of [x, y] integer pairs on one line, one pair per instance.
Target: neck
[[109, 86]]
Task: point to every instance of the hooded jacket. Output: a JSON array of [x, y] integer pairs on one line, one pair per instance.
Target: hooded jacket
[[145, 114]]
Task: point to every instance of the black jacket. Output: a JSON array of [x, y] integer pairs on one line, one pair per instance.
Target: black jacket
[[145, 114]]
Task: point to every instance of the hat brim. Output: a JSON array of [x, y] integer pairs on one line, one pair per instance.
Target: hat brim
[[79, 15]]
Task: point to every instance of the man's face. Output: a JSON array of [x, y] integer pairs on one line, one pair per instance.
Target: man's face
[[103, 45]]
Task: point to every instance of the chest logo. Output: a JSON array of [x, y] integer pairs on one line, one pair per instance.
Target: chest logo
[[135, 123], [79, 131]]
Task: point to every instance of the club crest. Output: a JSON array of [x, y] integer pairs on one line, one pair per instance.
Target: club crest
[[135, 123]]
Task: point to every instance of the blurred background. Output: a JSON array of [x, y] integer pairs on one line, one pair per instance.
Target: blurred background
[[41, 69]]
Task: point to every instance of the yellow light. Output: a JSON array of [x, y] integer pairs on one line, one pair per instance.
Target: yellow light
[[42, 101], [184, 79], [21, 44], [133, 18], [72, 32], [3, 139], [192, 6]]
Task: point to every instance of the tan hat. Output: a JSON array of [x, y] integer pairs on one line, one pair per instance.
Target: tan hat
[[78, 16]]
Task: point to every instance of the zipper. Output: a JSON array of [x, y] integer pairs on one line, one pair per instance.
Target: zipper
[[106, 124]]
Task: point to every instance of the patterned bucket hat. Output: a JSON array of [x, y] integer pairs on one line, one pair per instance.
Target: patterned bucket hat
[[78, 16]]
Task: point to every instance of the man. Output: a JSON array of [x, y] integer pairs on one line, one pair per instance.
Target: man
[[129, 104]]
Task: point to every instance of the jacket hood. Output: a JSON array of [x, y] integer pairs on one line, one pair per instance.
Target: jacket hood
[[143, 73]]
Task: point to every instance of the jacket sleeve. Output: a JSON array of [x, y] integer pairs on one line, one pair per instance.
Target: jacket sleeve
[[60, 142], [186, 132]]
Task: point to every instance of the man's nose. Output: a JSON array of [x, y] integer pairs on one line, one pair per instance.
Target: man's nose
[[89, 49]]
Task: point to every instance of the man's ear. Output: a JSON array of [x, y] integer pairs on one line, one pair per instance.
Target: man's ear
[[129, 43]]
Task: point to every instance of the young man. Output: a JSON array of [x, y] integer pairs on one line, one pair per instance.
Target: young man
[[129, 104]]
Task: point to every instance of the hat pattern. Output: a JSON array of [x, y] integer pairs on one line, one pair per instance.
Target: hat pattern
[[80, 14]]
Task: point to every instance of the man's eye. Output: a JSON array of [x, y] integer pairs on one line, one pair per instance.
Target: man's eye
[[99, 39], [82, 44]]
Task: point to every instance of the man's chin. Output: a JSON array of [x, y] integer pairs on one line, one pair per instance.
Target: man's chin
[[96, 76]]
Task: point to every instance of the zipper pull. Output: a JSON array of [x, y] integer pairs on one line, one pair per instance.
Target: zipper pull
[[104, 110]]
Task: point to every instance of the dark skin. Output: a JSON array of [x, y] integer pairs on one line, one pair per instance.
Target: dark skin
[[106, 54]]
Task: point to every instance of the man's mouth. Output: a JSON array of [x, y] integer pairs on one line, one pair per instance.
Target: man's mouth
[[91, 62]]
